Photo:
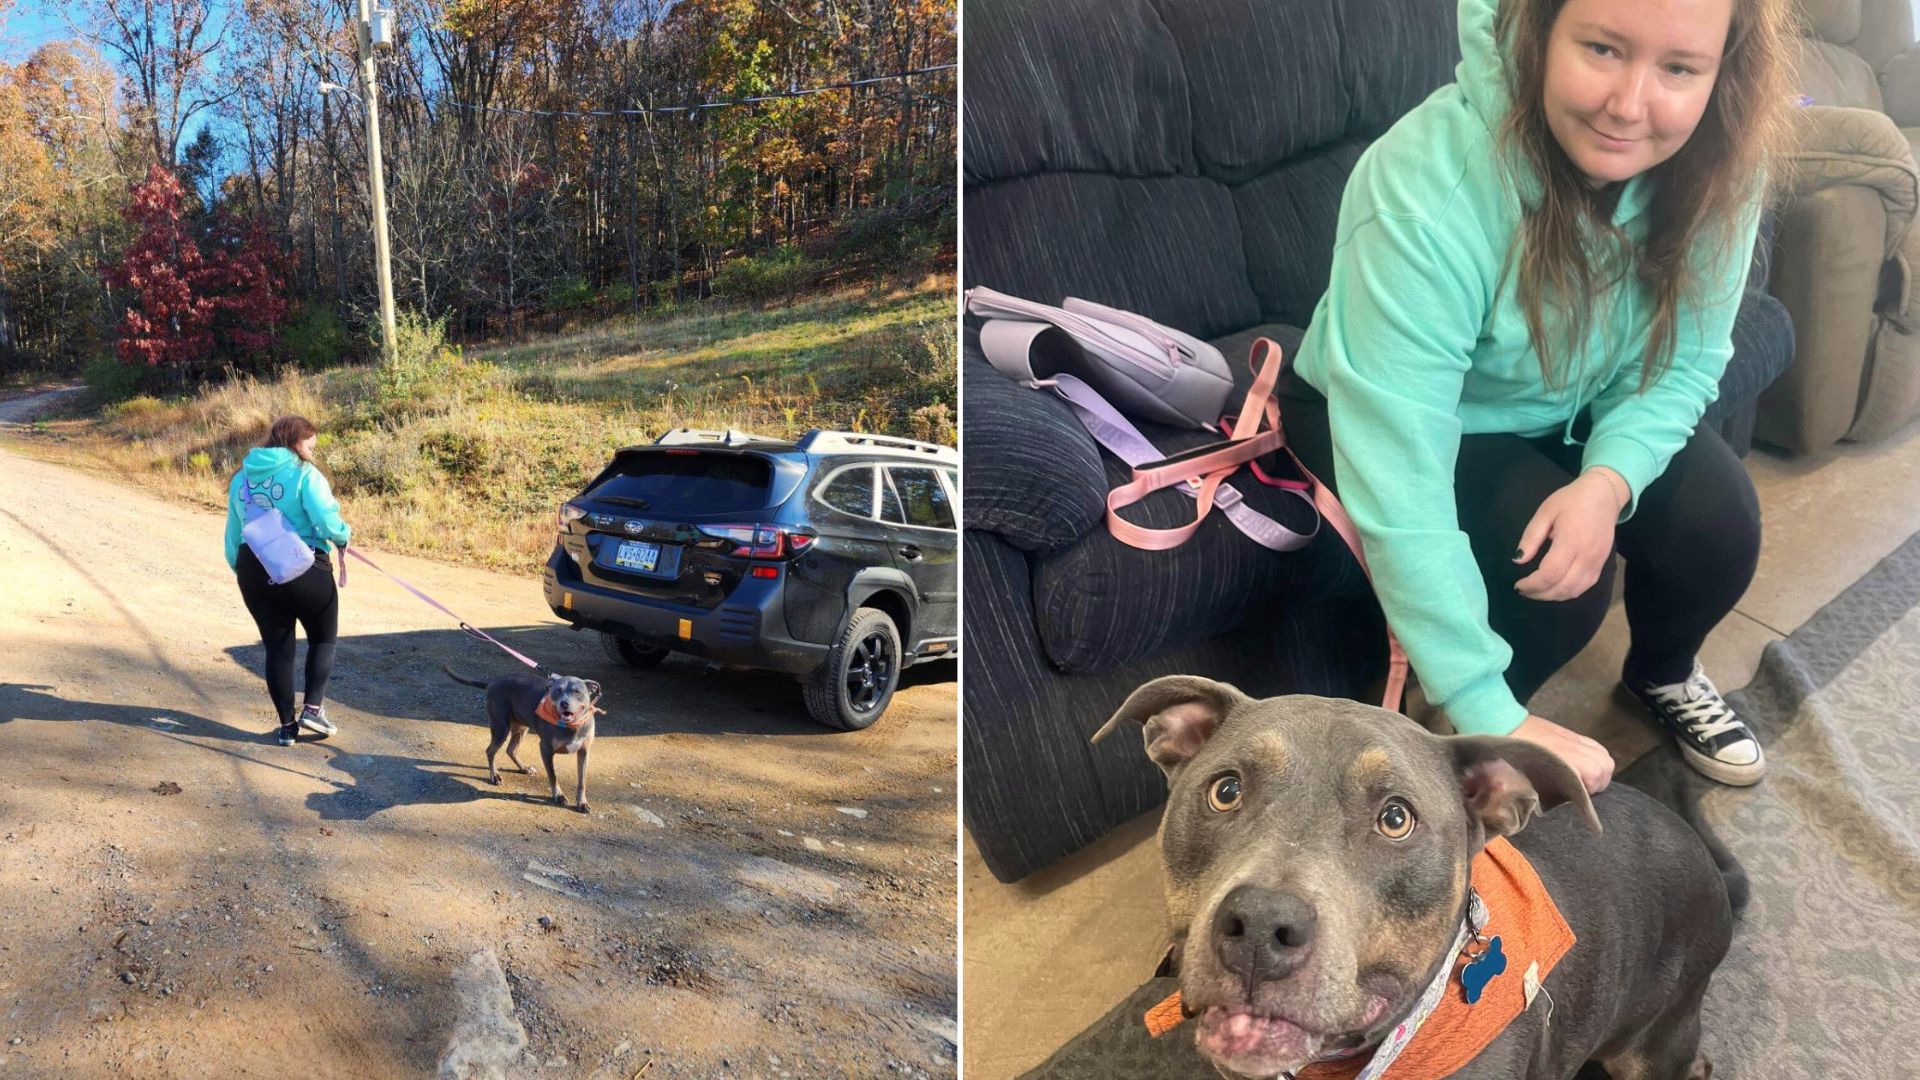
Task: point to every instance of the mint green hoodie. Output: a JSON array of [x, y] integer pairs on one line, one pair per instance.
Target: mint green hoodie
[[1414, 347], [275, 476]]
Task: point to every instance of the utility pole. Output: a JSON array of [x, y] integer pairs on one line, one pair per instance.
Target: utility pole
[[376, 179]]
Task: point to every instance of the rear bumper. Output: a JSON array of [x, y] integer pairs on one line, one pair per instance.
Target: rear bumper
[[749, 629]]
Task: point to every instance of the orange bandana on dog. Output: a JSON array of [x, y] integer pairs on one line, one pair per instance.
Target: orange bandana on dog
[[1533, 936], [551, 715]]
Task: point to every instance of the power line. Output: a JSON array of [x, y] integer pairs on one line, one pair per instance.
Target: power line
[[702, 105]]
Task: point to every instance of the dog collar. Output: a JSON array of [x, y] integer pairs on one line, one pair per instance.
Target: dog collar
[[551, 715]]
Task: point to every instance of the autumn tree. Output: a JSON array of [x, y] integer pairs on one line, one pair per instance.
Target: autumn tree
[[27, 194], [193, 308]]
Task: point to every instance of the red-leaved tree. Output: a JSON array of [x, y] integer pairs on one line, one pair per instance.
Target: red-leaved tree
[[244, 274], [167, 324], [194, 308]]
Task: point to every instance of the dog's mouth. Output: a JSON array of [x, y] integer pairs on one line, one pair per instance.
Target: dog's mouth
[[1248, 1041], [1253, 1044]]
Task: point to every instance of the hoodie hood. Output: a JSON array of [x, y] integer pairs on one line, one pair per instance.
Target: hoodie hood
[[264, 461], [274, 476], [1482, 71]]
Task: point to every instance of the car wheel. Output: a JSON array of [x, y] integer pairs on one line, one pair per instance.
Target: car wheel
[[630, 653], [853, 687]]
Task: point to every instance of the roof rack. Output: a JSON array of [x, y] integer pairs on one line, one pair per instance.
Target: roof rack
[[692, 436], [821, 441]]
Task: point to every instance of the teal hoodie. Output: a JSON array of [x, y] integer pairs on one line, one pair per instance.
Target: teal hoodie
[[275, 476], [1417, 342]]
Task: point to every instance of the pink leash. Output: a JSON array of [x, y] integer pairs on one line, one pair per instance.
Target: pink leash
[[466, 627], [1204, 469], [1265, 359]]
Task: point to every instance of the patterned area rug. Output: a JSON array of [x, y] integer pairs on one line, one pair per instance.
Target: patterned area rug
[[1825, 963]]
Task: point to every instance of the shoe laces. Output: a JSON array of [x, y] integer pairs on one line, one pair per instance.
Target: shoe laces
[[1697, 704]]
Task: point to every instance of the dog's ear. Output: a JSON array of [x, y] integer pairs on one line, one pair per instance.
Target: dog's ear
[[593, 691], [1506, 781], [1177, 715]]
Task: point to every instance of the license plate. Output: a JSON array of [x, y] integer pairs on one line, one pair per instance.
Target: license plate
[[637, 555]]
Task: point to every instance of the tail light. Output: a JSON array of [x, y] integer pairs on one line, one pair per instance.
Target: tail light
[[759, 541], [567, 515]]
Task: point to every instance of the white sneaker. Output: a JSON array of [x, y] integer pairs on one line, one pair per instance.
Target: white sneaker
[[314, 719], [1714, 741]]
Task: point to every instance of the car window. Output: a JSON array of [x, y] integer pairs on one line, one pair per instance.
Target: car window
[[890, 504], [923, 497], [667, 481], [850, 491]]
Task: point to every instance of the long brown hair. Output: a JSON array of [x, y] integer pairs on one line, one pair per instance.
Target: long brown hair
[[290, 432], [1699, 192]]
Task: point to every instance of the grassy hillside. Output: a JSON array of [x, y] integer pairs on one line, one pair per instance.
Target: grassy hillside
[[464, 454]]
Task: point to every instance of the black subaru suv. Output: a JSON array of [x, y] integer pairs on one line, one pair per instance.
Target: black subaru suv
[[833, 558]]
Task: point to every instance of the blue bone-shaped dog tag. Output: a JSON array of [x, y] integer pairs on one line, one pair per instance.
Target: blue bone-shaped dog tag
[[1476, 975]]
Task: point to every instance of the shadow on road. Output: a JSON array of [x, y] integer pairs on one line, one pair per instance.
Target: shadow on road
[[399, 675], [22, 701], [384, 781], [379, 781]]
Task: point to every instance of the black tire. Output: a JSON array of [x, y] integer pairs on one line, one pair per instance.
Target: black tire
[[632, 654], [853, 688]]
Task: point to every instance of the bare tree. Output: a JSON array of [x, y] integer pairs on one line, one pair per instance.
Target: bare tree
[[163, 48]]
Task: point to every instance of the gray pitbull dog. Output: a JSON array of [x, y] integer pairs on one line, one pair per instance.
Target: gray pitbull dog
[[1316, 856], [514, 705]]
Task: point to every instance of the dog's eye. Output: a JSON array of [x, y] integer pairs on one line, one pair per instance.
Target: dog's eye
[[1224, 795], [1396, 820]]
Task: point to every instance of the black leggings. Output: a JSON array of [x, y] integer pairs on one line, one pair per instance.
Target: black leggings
[[312, 600], [1690, 547]]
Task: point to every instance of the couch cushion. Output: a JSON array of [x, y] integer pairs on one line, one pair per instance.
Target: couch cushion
[[1832, 75], [1033, 473], [1073, 86], [1168, 248], [1762, 350], [1900, 89], [1287, 218], [1272, 80], [1837, 21]]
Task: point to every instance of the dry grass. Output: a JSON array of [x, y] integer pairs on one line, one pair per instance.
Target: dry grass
[[465, 457]]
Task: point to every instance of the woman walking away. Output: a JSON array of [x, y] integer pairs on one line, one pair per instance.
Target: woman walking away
[[1531, 303], [281, 476]]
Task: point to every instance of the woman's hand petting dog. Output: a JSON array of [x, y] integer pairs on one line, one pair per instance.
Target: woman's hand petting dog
[[1586, 757], [1579, 519]]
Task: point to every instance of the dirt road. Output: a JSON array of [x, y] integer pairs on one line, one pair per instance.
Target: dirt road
[[753, 895]]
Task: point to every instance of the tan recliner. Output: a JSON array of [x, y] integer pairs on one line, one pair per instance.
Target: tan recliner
[[1845, 242]]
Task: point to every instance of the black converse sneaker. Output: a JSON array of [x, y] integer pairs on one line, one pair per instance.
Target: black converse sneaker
[[287, 734], [314, 719], [1714, 741]]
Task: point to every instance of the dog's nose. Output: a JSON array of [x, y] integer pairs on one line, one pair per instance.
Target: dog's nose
[[1262, 933]]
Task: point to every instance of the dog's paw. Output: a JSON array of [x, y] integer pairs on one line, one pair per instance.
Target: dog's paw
[[494, 779], [528, 769], [559, 800], [583, 808]]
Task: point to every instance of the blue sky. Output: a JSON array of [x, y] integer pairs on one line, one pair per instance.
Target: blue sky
[[30, 24]]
